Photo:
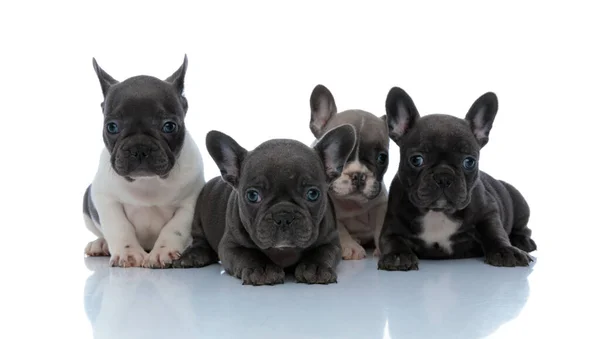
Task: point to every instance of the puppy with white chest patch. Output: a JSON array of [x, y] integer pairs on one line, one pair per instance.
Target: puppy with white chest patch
[[441, 206], [359, 194], [149, 176]]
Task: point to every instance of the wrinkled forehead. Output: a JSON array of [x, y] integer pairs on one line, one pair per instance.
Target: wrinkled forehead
[[372, 131], [442, 134], [142, 96], [284, 163]]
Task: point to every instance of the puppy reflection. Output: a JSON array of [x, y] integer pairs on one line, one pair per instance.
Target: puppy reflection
[[456, 301], [138, 303]]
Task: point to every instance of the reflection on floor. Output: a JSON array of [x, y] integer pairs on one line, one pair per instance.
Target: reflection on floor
[[444, 299]]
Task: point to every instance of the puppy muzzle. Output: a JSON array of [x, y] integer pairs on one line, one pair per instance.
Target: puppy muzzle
[[440, 189], [358, 186], [284, 226], [141, 156]]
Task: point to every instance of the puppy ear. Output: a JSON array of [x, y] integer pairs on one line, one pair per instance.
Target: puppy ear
[[178, 77], [322, 108], [227, 154], [401, 113], [105, 79], [334, 148], [481, 116]]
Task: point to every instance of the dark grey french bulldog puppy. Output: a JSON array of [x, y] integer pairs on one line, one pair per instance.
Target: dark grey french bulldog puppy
[[270, 210], [440, 204]]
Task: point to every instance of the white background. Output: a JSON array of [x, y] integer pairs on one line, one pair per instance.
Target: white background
[[252, 67]]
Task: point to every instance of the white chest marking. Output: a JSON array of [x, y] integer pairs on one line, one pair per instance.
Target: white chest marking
[[438, 228], [148, 221]]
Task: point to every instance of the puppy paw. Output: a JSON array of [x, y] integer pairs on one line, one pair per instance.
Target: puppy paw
[[309, 273], [128, 257], [351, 250], [97, 248], [398, 262], [161, 257], [523, 242], [508, 257], [196, 257], [257, 276]]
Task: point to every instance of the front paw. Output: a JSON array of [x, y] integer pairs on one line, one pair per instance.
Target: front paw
[[508, 256], [523, 242], [310, 273], [268, 275], [128, 257], [162, 257], [196, 257], [398, 262], [96, 248], [351, 250]]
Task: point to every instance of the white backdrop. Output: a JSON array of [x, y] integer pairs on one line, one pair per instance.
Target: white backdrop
[[252, 67]]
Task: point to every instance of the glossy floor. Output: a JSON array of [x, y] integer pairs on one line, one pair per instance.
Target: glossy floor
[[444, 299]]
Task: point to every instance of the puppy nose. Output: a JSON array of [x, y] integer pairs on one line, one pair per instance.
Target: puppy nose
[[139, 151], [358, 179], [283, 218], [443, 180]]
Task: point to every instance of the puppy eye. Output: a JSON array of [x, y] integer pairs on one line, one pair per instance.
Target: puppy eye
[[112, 128], [469, 163], [382, 158], [416, 160], [313, 195], [253, 196], [169, 127]]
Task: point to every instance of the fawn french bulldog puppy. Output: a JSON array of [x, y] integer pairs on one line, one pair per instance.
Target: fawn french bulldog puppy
[[441, 205], [359, 194], [149, 176], [270, 211]]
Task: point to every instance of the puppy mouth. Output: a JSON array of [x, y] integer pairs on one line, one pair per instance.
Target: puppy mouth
[[347, 190]]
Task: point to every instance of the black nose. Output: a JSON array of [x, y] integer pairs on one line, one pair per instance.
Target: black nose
[[283, 218], [443, 180], [139, 152], [358, 179]]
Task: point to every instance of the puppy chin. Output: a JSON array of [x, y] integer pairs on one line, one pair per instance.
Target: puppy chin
[[349, 192], [143, 175]]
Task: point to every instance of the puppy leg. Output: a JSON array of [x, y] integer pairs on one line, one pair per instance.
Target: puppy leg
[[351, 250], [377, 215], [250, 265], [98, 247], [200, 254], [173, 239], [497, 247], [119, 234], [396, 254], [520, 235], [318, 265]]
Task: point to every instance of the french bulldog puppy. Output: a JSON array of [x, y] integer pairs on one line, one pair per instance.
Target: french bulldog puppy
[[149, 176], [270, 211], [359, 194], [441, 205]]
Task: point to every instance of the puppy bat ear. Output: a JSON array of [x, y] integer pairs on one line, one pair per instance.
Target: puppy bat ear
[[334, 148], [105, 79], [322, 108], [177, 79], [227, 154], [481, 116], [401, 113]]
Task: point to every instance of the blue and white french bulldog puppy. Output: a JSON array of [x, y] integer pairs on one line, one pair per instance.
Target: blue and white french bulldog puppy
[[141, 202]]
